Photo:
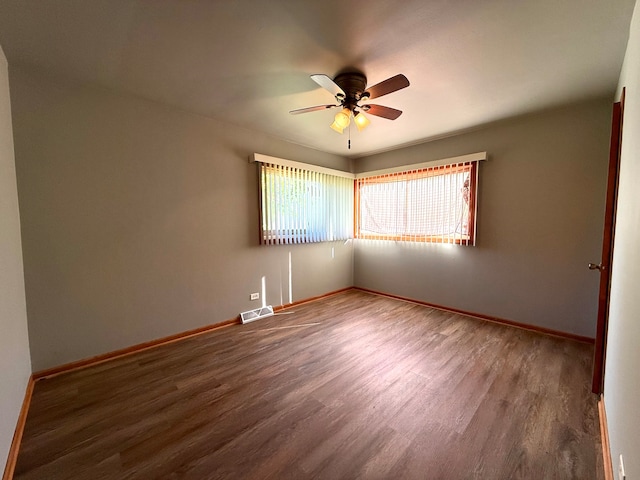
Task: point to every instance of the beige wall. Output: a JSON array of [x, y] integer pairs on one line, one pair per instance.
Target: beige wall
[[140, 221], [540, 214], [622, 377], [15, 365]]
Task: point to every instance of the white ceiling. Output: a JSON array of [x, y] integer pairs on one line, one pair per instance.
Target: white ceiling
[[248, 62]]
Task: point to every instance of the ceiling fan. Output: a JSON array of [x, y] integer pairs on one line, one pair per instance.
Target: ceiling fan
[[350, 91]]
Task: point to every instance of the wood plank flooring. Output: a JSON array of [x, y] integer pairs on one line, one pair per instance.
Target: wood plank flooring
[[354, 386]]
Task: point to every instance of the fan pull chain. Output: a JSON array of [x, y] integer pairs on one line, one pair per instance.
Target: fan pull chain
[[349, 143]]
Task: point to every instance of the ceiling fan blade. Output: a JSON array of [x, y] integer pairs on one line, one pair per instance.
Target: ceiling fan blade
[[389, 85], [380, 111], [328, 84], [312, 109]]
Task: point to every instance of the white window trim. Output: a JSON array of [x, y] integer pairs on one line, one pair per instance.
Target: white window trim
[[471, 157], [260, 158]]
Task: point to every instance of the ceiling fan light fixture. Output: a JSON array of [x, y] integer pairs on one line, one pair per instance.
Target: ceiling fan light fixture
[[361, 121], [336, 127], [342, 118]]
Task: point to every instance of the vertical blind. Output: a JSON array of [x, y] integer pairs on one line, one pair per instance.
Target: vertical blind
[[421, 205], [304, 206]]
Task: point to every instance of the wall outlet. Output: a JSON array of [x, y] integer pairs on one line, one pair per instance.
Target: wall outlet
[[621, 474], [254, 296]]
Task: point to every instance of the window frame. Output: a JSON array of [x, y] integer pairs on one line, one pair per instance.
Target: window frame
[[411, 174], [472, 159], [329, 219]]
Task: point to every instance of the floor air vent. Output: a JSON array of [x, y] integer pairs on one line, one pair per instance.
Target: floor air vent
[[258, 313]]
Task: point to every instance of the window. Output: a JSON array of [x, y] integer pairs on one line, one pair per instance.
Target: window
[[432, 202], [299, 205], [424, 205]]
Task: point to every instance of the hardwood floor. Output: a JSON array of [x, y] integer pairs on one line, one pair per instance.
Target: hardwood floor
[[354, 386]]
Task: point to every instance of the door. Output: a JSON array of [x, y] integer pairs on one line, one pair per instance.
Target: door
[[604, 267]]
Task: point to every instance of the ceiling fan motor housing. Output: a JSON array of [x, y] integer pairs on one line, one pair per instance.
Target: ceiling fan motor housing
[[350, 87], [353, 84]]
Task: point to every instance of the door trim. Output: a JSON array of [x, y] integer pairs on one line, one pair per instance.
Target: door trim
[[607, 247]]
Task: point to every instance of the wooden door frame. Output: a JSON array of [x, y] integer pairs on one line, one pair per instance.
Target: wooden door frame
[[607, 247]]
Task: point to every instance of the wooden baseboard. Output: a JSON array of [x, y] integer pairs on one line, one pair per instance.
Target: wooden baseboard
[[311, 299], [17, 435], [105, 357], [489, 318], [68, 367], [604, 437], [88, 362]]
